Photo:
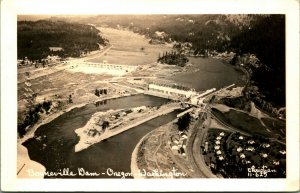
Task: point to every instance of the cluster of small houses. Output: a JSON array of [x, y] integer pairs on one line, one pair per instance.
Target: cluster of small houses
[[43, 62], [182, 20], [217, 146], [238, 150], [178, 143]]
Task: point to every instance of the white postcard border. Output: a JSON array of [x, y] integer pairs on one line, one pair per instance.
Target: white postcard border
[[9, 11]]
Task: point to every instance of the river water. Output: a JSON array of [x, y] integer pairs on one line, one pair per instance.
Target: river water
[[53, 144], [207, 73]]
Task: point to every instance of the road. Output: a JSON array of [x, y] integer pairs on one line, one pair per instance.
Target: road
[[196, 138], [97, 55]]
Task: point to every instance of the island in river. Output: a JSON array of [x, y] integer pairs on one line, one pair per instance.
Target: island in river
[[103, 125]]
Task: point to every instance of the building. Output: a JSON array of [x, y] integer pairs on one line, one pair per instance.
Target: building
[[55, 49], [206, 146], [51, 59], [171, 90], [181, 151], [105, 65]]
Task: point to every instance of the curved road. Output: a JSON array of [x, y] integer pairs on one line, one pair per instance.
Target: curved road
[[194, 153], [197, 138]]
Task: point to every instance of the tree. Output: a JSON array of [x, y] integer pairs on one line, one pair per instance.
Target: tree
[[105, 124], [46, 105], [97, 92], [70, 99], [183, 122]]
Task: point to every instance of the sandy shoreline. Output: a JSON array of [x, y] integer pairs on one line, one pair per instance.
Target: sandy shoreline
[[25, 166]]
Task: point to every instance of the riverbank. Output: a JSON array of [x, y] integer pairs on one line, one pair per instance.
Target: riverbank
[[134, 158], [25, 166]]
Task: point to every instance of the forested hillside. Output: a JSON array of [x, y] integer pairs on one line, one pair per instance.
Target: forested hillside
[[203, 31], [35, 38], [266, 39]]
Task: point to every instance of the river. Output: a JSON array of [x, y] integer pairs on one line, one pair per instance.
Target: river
[[209, 73], [53, 144]]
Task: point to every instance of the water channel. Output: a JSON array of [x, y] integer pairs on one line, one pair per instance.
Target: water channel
[[53, 144]]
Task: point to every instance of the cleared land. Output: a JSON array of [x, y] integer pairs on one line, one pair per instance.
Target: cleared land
[[250, 124]]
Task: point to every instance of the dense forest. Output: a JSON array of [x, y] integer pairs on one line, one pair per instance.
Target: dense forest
[[266, 39], [35, 37]]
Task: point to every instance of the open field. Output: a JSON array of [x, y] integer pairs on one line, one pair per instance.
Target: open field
[[57, 87], [247, 123], [275, 126], [63, 82]]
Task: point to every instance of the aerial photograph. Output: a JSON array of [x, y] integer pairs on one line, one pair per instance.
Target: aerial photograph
[[151, 96]]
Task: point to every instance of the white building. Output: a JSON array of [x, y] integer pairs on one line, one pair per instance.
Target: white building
[[171, 91], [55, 49], [107, 66]]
